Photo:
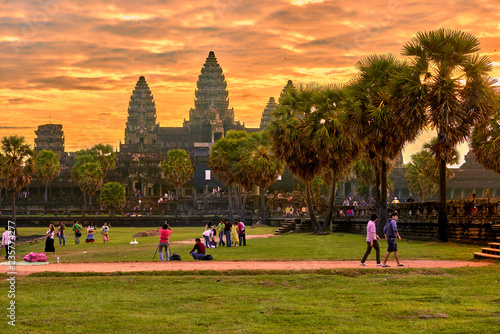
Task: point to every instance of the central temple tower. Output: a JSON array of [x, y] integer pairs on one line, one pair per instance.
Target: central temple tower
[[211, 117]]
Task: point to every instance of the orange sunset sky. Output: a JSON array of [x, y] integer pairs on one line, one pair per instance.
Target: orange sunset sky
[[76, 62]]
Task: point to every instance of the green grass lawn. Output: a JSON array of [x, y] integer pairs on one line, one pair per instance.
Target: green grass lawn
[[462, 300], [285, 247]]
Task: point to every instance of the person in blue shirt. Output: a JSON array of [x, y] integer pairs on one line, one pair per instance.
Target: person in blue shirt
[[391, 233]]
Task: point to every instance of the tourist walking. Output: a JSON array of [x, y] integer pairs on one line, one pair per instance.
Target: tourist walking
[[391, 233], [165, 232], [77, 228], [8, 238], [105, 233], [371, 240], [90, 233], [241, 233], [220, 232], [60, 234], [200, 250], [49, 242]]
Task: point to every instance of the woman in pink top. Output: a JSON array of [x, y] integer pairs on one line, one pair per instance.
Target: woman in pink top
[[165, 233], [371, 240]]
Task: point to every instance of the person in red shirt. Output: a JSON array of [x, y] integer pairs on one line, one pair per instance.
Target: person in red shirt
[[200, 250], [165, 233]]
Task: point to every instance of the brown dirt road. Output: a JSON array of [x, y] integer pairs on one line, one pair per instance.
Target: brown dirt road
[[189, 265], [228, 265]]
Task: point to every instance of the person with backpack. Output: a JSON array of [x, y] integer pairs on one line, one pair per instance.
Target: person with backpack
[[77, 228], [241, 233], [200, 250], [390, 233]]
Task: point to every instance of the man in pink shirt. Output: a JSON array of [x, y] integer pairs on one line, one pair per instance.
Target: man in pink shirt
[[165, 233], [7, 239], [371, 240]]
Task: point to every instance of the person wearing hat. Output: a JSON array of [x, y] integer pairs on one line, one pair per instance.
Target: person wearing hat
[[391, 233]]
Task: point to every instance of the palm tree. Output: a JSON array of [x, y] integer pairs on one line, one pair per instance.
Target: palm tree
[[485, 143], [336, 144], [177, 168], [46, 169], [380, 118], [88, 174], [225, 157], [422, 173], [292, 142], [263, 168], [105, 156], [457, 93], [17, 166], [3, 160], [91, 179]]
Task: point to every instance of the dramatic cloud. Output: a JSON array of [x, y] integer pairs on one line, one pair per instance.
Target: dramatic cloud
[[76, 63]]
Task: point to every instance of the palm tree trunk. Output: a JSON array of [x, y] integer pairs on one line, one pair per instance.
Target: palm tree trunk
[[13, 215], [230, 196], [45, 197], [1, 198], [310, 208], [243, 206], [90, 202], [331, 202], [262, 208], [383, 197], [443, 216]]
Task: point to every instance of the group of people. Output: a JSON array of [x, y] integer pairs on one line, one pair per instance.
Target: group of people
[[77, 230], [390, 235]]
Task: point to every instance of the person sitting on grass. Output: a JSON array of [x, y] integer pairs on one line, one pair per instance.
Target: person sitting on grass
[[200, 250]]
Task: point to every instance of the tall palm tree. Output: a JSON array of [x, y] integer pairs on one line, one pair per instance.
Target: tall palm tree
[[336, 144], [263, 168], [379, 117], [17, 166], [224, 156], [105, 156], [457, 92], [292, 142], [91, 179], [177, 168], [485, 143], [3, 161], [76, 172], [47, 168]]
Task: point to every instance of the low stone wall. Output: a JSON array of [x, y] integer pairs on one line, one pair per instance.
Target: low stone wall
[[468, 221]]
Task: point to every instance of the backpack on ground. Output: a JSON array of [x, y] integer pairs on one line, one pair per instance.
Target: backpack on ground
[[175, 257], [207, 257]]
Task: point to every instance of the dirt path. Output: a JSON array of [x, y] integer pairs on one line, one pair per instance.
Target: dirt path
[[189, 265], [228, 265]]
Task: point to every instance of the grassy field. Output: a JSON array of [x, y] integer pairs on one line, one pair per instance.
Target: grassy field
[[463, 300], [285, 247]]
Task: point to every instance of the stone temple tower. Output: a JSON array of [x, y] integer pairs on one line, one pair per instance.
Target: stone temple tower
[[266, 114], [211, 117], [141, 127]]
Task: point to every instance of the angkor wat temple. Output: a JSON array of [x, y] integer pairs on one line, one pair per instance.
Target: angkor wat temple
[[146, 143]]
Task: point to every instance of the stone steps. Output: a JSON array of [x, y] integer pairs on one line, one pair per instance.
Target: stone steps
[[285, 227], [494, 245], [478, 255], [495, 227]]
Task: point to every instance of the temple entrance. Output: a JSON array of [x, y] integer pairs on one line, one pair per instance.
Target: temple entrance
[[217, 136]]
